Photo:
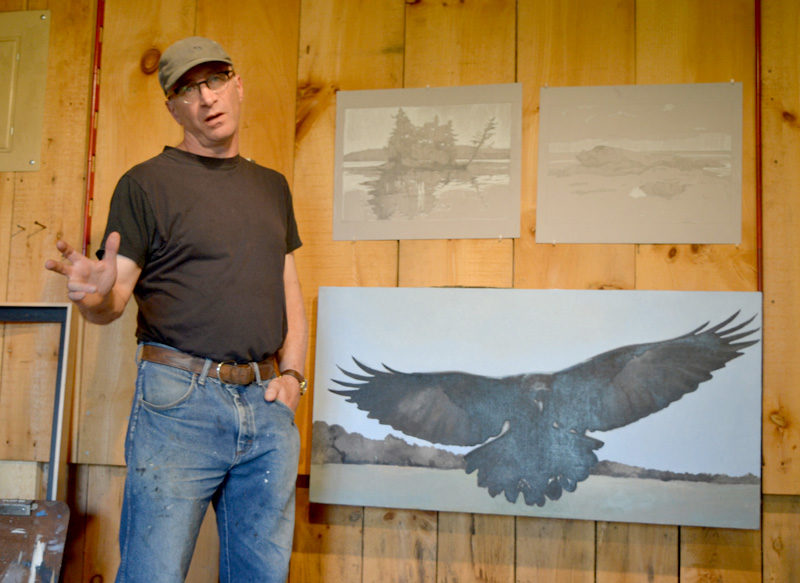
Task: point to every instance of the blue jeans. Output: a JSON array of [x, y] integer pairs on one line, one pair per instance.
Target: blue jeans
[[193, 440]]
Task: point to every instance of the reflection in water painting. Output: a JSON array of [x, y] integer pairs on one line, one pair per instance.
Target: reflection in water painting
[[428, 163], [630, 406]]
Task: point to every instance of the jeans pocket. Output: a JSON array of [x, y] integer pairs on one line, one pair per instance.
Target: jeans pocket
[[284, 408], [164, 387]]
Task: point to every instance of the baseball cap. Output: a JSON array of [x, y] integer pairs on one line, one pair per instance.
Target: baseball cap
[[185, 54]]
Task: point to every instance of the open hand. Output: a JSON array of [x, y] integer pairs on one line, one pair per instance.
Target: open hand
[[87, 276]]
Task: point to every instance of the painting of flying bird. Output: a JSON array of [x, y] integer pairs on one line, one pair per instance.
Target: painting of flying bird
[[530, 429], [630, 406]]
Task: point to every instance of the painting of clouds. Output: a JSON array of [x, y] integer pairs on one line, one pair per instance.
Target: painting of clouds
[[640, 164], [428, 163], [634, 406]]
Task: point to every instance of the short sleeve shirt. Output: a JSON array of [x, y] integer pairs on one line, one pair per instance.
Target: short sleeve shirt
[[210, 236]]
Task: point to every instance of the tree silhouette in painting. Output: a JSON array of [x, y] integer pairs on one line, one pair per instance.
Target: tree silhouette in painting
[[420, 161]]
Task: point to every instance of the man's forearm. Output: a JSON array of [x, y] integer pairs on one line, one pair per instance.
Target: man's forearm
[[292, 354]]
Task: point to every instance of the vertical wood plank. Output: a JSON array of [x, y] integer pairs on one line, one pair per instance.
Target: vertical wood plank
[[781, 207], [36, 208], [27, 390], [458, 43], [555, 551], [709, 554], [673, 46], [99, 502], [48, 203], [7, 228], [399, 546], [673, 41], [261, 37], [133, 125], [629, 553], [327, 542], [344, 45], [781, 544], [475, 547], [73, 558], [461, 43], [568, 43]]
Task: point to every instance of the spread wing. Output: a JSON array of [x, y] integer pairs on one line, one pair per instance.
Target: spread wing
[[618, 387], [452, 408]]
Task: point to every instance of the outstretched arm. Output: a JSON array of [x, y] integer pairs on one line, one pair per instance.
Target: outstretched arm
[[100, 289]]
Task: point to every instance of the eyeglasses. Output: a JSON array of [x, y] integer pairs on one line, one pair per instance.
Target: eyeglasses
[[191, 93]]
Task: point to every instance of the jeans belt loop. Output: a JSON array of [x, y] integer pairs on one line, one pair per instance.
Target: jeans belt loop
[[204, 373]]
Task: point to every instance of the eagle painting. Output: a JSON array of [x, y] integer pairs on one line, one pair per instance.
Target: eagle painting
[[529, 431]]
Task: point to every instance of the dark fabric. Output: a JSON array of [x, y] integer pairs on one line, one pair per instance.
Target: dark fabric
[[211, 236]]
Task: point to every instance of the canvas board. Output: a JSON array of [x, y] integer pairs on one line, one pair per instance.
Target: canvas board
[[695, 461], [640, 164], [428, 163]]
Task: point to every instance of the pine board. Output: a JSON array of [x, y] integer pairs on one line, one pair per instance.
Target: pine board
[[458, 43], [632, 553], [781, 544], [555, 551], [38, 208], [568, 43], [344, 45], [781, 208], [128, 96], [475, 547], [718, 554], [399, 546], [672, 46], [264, 50], [327, 542]]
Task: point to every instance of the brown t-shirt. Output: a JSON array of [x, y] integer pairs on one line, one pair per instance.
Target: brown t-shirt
[[211, 236]]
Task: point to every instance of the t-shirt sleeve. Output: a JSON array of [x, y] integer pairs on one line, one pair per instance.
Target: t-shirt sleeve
[[132, 217], [292, 233]]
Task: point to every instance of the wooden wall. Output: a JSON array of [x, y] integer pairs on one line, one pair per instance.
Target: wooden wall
[[293, 56]]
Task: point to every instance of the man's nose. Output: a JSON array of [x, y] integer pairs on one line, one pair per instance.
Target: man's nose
[[206, 95]]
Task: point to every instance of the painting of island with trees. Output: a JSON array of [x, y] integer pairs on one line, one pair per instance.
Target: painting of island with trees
[[431, 163], [640, 164]]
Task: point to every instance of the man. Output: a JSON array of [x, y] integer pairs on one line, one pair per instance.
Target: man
[[203, 239]]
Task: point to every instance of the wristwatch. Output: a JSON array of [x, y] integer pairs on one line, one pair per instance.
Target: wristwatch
[[300, 379]]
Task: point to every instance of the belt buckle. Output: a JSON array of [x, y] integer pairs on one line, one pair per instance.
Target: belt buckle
[[219, 371]]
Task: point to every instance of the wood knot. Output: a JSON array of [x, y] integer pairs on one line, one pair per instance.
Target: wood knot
[[673, 251], [777, 544], [789, 116], [149, 61], [778, 420]]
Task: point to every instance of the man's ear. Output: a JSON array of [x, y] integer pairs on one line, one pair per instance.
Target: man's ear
[[239, 88], [172, 111]]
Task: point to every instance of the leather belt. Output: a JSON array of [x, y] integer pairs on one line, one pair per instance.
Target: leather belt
[[227, 372]]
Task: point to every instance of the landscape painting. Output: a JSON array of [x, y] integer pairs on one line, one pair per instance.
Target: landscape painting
[[631, 406], [640, 164], [429, 163]]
